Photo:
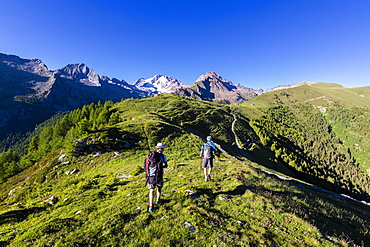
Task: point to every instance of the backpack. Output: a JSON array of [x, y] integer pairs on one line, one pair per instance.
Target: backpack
[[207, 151], [153, 167]]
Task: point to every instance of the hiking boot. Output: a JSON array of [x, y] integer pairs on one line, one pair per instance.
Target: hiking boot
[[150, 209]]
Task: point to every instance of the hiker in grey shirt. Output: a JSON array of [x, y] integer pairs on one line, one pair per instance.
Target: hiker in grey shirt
[[207, 154]]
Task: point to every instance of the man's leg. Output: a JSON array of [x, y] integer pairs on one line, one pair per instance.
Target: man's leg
[[151, 196], [210, 166], [209, 173], [159, 191], [205, 173]]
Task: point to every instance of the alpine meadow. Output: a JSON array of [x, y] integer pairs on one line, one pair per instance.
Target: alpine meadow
[[294, 170]]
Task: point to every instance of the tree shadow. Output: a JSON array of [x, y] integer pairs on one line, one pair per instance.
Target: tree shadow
[[239, 190], [19, 215], [4, 243]]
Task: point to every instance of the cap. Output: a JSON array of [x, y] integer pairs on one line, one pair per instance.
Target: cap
[[209, 138], [160, 145]]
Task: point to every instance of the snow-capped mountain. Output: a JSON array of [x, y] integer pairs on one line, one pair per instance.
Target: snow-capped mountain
[[31, 93], [159, 84]]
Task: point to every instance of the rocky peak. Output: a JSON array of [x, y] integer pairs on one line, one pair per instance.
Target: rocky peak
[[212, 79], [210, 76], [34, 66], [212, 87], [80, 73]]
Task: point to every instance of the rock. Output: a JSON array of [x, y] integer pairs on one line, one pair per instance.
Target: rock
[[72, 171], [52, 200], [62, 157], [97, 153], [125, 176], [191, 227], [12, 190], [12, 236]]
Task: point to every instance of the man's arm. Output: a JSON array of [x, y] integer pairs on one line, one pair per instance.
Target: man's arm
[[164, 160], [214, 149], [201, 151]]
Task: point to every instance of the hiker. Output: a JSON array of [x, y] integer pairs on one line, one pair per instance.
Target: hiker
[[153, 166], [207, 154]]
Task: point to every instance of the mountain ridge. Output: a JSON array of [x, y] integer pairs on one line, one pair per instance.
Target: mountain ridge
[[31, 92]]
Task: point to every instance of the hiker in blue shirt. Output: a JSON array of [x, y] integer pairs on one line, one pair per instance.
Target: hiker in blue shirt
[[207, 154]]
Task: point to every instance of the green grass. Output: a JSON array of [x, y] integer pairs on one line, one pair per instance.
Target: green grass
[[105, 202], [319, 94], [241, 206]]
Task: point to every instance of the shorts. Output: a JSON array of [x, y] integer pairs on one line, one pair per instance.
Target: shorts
[[207, 162], [152, 184]]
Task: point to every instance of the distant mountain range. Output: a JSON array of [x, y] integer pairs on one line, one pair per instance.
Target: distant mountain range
[[31, 93]]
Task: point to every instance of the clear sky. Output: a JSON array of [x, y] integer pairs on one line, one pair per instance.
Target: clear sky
[[257, 43]]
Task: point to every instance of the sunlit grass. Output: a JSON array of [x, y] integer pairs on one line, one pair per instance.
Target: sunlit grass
[[239, 207], [105, 202]]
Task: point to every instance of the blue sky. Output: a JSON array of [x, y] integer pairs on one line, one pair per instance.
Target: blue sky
[[257, 43]]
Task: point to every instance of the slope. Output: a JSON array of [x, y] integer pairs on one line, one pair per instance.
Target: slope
[[318, 94], [90, 191], [318, 131]]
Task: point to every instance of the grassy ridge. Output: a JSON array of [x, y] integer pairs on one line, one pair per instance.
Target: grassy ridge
[[345, 118], [98, 197], [319, 94]]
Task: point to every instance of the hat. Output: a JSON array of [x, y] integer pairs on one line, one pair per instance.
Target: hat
[[160, 145], [209, 138]]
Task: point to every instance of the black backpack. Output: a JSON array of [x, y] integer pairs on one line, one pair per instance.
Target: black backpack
[[207, 151], [153, 167]]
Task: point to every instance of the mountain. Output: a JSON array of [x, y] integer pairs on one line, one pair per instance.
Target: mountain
[[84, 184], [31, 93], [76, 85], [292, 170], [159, 84], [212, 87]]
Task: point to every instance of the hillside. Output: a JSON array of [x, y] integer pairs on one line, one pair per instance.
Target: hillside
[[346, 111], [86, 187]]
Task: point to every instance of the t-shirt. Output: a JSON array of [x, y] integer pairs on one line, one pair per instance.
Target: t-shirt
[[209, 143], [164, 157]]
